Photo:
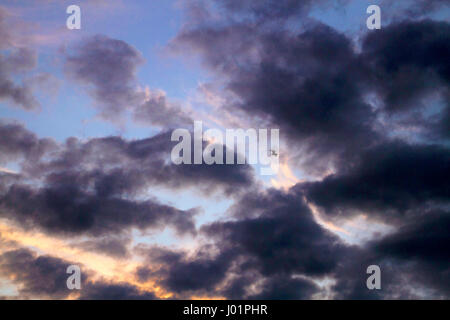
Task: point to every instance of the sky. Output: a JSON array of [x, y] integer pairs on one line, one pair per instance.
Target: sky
[[86, 176]]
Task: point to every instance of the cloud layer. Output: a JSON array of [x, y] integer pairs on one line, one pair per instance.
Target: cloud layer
[[364, 120]]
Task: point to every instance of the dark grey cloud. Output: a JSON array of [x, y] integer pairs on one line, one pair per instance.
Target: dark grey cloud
[[409, 68], [115, 166], [181, 273], [409, 59], [387, 181], [423, 239], [36, 276], [230, 180], [286, 288], [17, 143], [420, 249], [114, 291], [414, 262], [109, 67], [67, 209], [292, 243], [351, 277]]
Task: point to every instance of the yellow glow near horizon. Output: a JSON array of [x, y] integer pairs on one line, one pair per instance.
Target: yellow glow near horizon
[[104, 267]]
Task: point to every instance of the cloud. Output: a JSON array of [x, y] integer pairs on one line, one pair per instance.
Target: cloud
[[181, 273], [424, 239], [387, 182], [295, 251], [158, 111], [328, 98], [109, 67], [419, 8], [66, 209], [65, 203], [38, 276], [14, 61], [116, 247], [286, 288], [408, 61], [100, 187], [17, 143], [310, 84], [115, 166], [293, 242], [409, 68], [114, 291], [369, 115], [344, 104], [274, 238], [268, 9], [414, 262]]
